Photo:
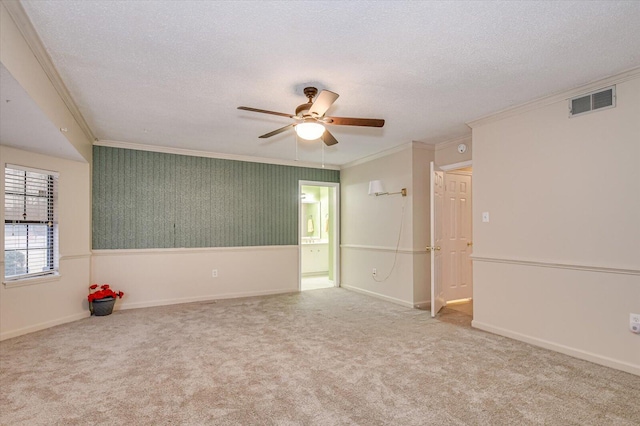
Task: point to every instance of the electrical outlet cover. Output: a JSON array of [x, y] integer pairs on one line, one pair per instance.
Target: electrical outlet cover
[[634, 323]]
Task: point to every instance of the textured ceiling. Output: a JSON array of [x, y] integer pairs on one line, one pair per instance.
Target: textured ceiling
[[171, 73]]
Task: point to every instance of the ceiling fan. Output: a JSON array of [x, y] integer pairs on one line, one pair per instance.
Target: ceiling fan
[[310, 118]]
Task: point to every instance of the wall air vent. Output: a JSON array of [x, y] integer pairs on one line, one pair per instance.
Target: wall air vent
[[601, 99]]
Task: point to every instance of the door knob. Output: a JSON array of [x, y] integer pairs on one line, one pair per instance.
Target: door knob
[[429, 248], [469, 244]]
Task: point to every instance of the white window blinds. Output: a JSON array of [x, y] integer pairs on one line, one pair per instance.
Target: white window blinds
[[30, 222]]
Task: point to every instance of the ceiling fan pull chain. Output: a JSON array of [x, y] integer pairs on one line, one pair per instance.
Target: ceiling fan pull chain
[[296, 135], [322, 144]]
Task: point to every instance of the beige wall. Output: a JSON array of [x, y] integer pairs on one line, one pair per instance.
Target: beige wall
[[48, 302], [370, 225], [559, 262], [447, 153], [167, 276], [41, 303], [421, 203]]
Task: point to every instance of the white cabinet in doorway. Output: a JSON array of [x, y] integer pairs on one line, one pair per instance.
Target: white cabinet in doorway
[[315, 258]]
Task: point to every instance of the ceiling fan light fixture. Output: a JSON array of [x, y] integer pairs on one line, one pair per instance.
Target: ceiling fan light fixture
[[309, 130], [311, 119]]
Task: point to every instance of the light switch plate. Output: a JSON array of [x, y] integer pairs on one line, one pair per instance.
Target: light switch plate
[[485, 216]]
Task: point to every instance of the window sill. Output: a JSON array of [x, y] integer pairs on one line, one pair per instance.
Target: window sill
[[31, 281]]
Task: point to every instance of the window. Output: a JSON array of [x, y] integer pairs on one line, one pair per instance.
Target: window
[[30, 223]]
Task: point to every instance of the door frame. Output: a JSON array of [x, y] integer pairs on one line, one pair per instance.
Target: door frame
[[456, 166], [446, 169], [336, 229], [435, 226]]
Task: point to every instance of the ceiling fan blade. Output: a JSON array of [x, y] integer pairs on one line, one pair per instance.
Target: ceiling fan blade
[[322, 103], [346, 121], [264, 111], [275, 132], [328, 138]]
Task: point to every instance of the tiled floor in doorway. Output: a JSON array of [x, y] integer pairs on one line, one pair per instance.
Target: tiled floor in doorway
[[316, 282]]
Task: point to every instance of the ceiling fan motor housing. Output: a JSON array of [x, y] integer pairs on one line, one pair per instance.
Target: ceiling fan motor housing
[[310, 92], [303, 110]]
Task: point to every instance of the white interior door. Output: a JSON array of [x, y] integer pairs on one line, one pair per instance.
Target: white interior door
[[437, 196], [457, 274]]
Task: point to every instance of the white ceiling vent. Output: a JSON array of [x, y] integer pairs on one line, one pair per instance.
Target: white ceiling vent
[[594, 101]]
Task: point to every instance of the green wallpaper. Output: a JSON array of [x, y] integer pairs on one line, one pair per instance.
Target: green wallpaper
[[147, 199]]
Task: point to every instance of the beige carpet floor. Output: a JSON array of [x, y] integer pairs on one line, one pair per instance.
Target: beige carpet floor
[[321, 357]]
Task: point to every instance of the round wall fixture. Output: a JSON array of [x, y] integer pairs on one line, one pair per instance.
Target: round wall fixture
[[462, 148]]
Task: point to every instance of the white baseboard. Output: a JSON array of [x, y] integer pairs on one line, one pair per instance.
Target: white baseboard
[[43, 325], [378, 295], [177, 301], [577, 353], [425, 304]]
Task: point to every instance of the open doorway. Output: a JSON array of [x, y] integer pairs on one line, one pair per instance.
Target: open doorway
[[319, 230], [452, 282], [458, 243]]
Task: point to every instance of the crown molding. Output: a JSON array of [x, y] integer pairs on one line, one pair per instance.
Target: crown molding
[[20, 17], [424, 146], [363, 160], [391, 151], [453, 142], [561, 96], [207, 154]]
